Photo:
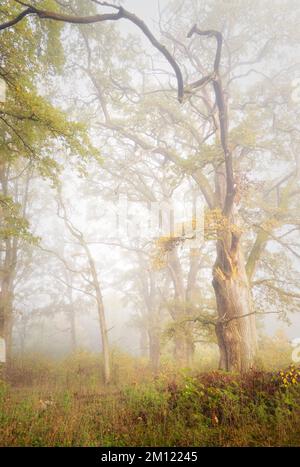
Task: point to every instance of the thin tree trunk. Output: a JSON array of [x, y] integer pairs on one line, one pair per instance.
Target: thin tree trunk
[[178, 310], [153, 319], [102, 320], [23, 334], [180, 349], [6, 311], [71, 313], [99, 300], [144, 345], [189, 350], [9, 335], [154, 349]]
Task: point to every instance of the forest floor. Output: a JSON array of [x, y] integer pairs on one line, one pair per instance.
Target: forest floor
[[66, 404]]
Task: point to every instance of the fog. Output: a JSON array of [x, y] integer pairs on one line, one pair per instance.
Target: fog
[[100, 265]]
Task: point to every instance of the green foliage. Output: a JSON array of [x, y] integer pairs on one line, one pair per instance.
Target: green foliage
[[33, 132], [30, 126], [12, 224], [146, 400]]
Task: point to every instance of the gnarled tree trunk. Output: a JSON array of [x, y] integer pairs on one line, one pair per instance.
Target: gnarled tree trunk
[[235, 329]]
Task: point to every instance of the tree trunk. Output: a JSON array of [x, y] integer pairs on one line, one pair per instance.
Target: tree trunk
[[152, 322], [184, 348], [103, 328], [6, 318], [100, 309], [235, 328], [2, 336], [6, 326], [180, 349], [23, 334], [105, 343], [144, 345], [101, 316], [97, 289], [179, 310], [236, 332], [8, 332], [154, 349], [189, 349], [71, 313], [8, 271]]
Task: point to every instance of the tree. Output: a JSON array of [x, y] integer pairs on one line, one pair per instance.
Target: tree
[[34, 134], [213, 150], [93, 281]]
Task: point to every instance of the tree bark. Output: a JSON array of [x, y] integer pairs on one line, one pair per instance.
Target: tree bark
[[6, 298], [236, 332], [102, 319]]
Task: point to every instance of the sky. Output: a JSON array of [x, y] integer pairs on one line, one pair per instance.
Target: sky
[[145, 9]]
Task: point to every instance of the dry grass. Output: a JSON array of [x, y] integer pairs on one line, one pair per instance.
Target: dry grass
[[66, 404]]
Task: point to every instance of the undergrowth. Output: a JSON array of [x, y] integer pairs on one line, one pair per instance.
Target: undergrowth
[[46, 403]]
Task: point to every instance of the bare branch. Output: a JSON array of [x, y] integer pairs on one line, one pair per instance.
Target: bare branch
[[121, 13], [223, 118]]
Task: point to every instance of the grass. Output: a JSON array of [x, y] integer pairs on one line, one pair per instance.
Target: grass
[[66, 404]]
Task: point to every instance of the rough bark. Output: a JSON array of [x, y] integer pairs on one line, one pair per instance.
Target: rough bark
[[235, 329]]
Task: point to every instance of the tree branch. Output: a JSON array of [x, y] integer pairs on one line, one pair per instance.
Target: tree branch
[[121, 13], [222, 111]]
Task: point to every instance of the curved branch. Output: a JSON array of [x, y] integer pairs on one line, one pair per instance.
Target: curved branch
[[223, 117], [121, 13], [17, 19]]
